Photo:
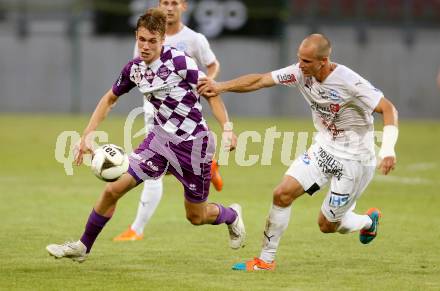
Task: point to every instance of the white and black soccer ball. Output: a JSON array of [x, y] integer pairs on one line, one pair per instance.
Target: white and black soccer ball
[[109, 162]]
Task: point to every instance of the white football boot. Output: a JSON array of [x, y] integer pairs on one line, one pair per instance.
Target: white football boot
[[75, 251], [237, 232]]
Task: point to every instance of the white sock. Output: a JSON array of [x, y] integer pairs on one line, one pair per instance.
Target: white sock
[[150, 198], [276, 224], [353, 222]]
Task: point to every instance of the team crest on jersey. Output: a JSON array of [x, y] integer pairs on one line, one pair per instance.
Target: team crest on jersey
[[149, 75], [334, 95], [137, 75], [163, 72]]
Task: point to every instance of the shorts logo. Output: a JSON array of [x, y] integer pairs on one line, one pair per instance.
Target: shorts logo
[[329, 165], [152, 166], [306, 158], [338, 200], [192, 187]]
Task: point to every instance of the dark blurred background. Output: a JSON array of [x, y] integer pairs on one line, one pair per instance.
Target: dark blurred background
[[61, 56]]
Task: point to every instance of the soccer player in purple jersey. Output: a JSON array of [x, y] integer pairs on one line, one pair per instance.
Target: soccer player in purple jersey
[[197, 47], [180, 141]]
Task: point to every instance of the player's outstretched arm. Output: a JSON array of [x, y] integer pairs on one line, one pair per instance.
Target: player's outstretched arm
[[102, 109], [246, 83], [390, 134]]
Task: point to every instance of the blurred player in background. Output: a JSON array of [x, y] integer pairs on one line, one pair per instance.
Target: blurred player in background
[[438, 78], [342, 104], [179, 142], [196, 46]]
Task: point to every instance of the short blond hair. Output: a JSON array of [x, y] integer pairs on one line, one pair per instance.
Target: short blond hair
[[322, 44]]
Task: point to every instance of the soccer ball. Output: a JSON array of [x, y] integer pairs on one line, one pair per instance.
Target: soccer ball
[[109, 162]]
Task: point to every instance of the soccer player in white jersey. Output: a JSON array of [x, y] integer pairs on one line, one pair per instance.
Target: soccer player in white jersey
[[342, 104], [196, 46], [179, 142]]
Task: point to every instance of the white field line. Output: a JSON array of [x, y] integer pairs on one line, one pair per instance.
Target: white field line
[[404, 180], [422, 166]]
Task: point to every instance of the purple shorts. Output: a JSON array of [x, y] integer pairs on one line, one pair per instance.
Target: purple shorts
[[189, 161]]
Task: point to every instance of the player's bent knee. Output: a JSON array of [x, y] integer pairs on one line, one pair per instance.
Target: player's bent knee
[[115, 190], [282, 198], [287, 192], [111, 192], [194, 219], [326, 229], [326, 226]]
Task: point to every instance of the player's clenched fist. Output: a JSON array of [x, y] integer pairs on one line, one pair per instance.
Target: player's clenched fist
[[387, 164]]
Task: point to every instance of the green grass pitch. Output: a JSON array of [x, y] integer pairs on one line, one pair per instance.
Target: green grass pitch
[[40, 204]]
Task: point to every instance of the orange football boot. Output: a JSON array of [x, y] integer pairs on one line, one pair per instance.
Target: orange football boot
[[256, 264], [128, 235], [216, 178]]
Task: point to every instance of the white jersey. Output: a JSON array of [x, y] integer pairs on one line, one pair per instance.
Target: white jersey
[[193, 44], [342, 107]]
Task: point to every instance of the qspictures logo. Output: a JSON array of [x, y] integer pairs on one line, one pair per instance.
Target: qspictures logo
[[263, 148]]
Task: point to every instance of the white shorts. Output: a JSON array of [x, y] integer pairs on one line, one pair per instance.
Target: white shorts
[[348, 179]]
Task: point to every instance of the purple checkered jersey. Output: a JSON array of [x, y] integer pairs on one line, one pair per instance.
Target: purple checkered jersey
[[170, 84]]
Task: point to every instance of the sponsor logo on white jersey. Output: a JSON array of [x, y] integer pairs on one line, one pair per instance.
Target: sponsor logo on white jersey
[[286, 78], [332, 94]]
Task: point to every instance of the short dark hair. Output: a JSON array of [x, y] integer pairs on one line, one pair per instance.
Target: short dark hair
[[154, 19]]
